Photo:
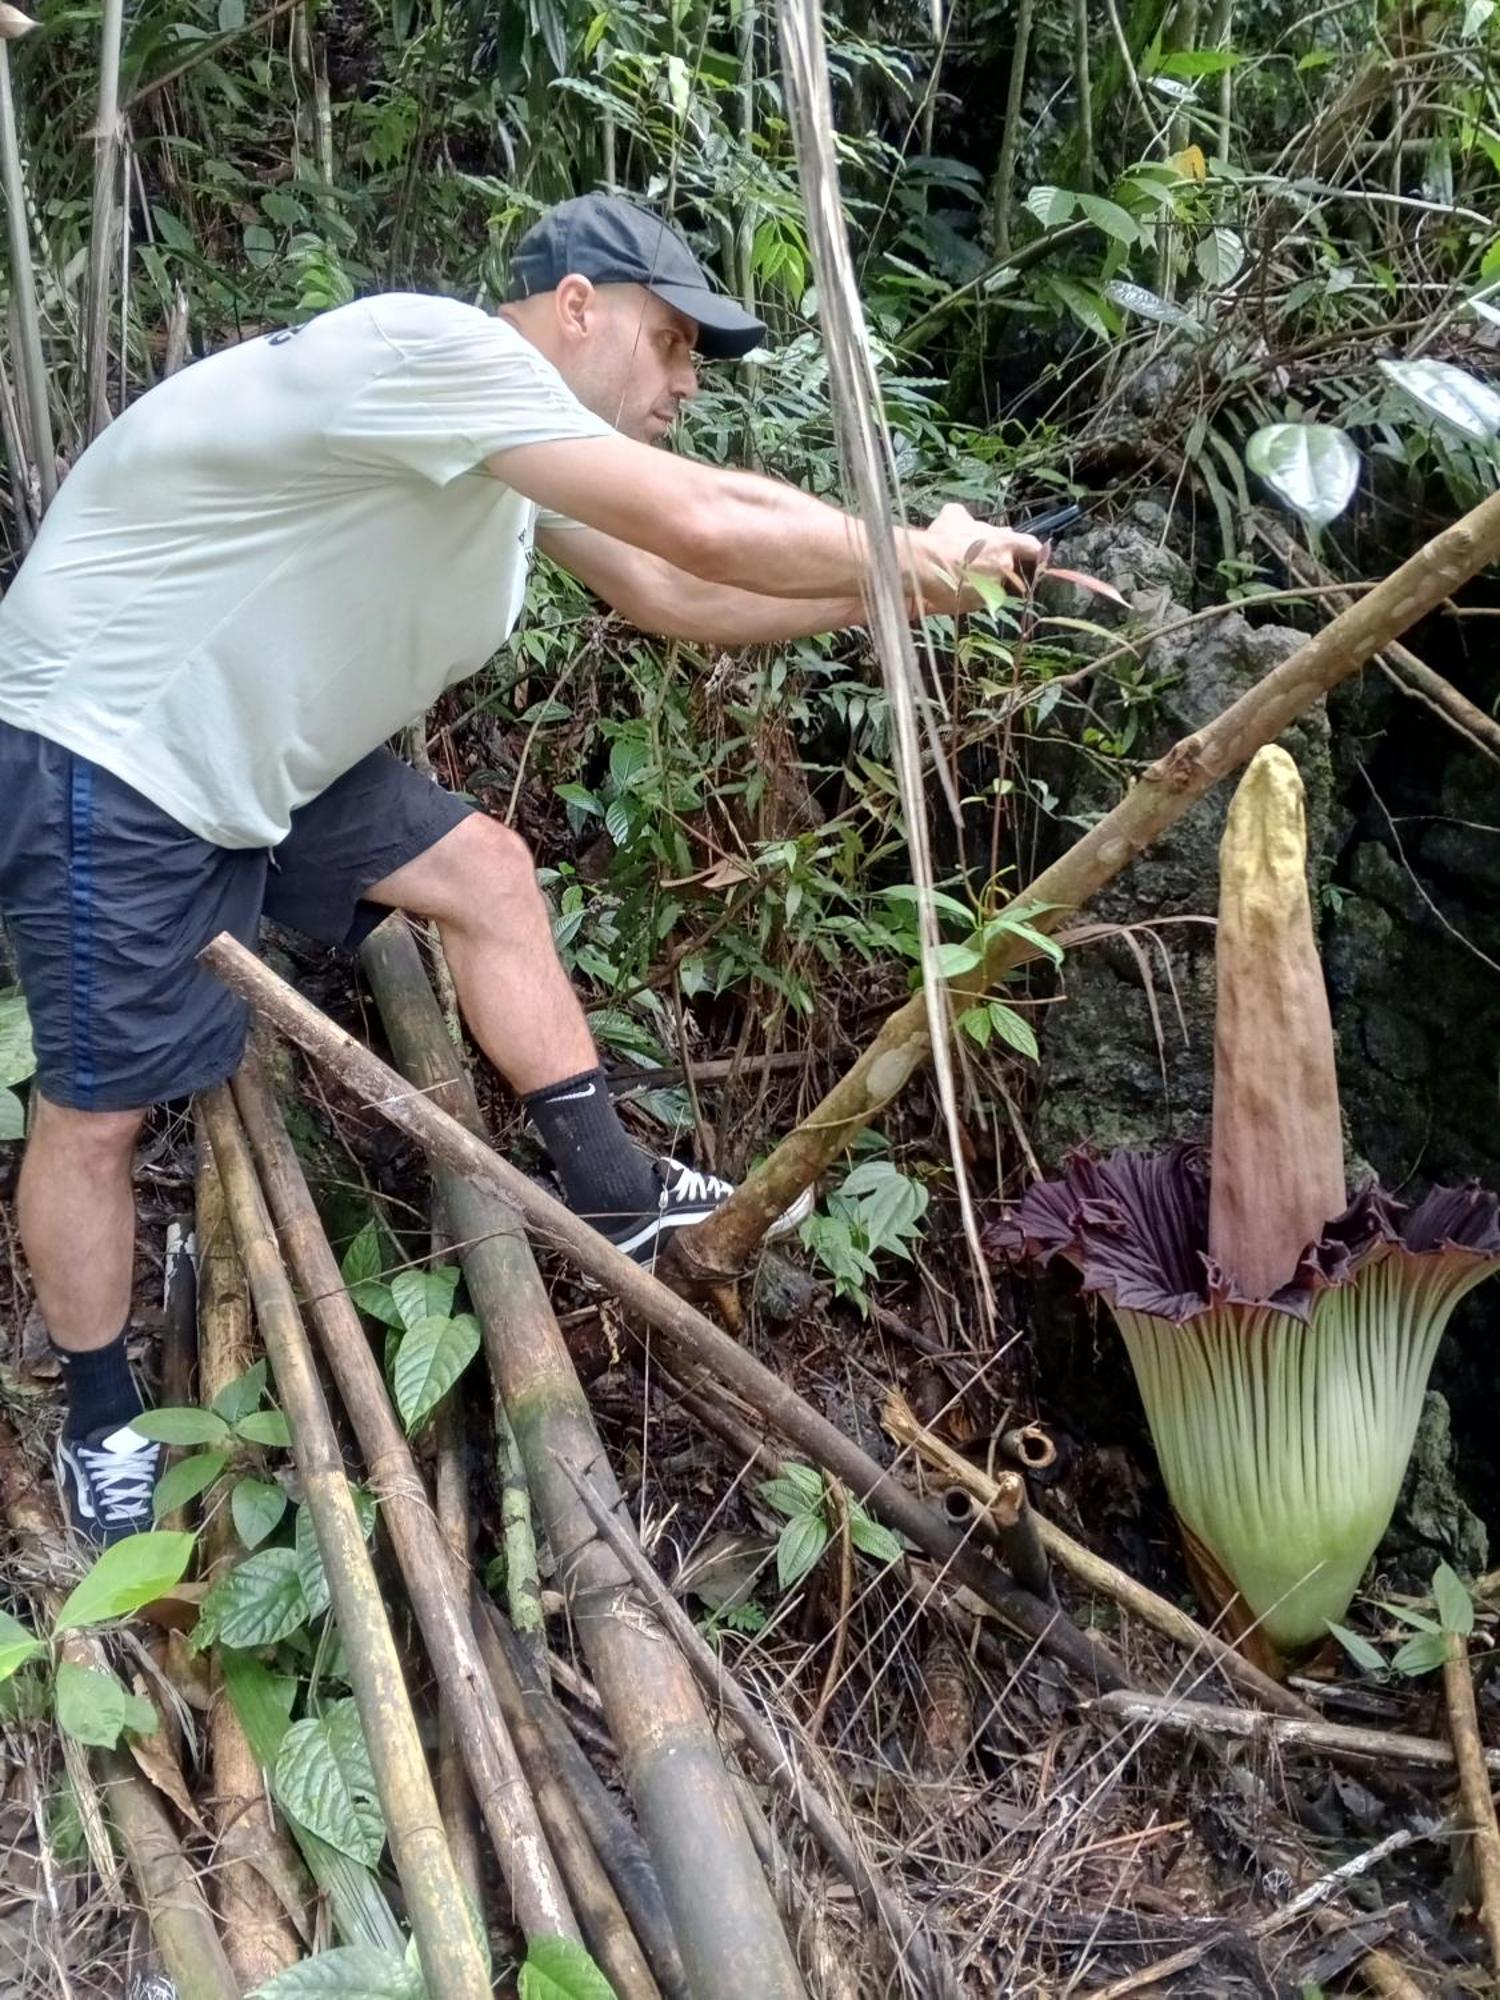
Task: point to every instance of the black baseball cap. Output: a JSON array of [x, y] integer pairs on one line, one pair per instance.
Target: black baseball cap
[[612, 242]]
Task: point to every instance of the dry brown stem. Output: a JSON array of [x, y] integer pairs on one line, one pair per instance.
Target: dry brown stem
[[1330, 1739], [1474, 1785]]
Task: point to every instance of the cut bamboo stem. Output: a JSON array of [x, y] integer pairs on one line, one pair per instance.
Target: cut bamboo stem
[[455, 1795], [250, 1844], [901, 1425], [102, 235], [882, 1905], [549, 1392], [31, 367], [500, 1788], [721, 1248], [726, 1923], [1474, 1786], [614, 1837], [448, 1949]]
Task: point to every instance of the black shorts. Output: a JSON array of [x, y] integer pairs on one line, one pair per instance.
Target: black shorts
[[107, 902]]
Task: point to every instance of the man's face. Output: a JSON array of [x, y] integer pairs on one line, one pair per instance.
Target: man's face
[[629, 358]]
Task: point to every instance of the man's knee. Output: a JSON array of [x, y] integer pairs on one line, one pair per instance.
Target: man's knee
[[105, 1137], [491, 870]]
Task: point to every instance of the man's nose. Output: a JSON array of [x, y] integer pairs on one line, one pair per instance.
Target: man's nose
[[686, 385]]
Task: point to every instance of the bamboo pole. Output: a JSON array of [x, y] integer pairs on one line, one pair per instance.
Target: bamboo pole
[[727, 1928], [1182, 1716], [547, 1395], [455, 1794], [1474, 1786], [719, 1250], [614, 1837], [883, 1905], [31, 367], [449, 1952], [500, 1787], [258, 1936], [102, 235]]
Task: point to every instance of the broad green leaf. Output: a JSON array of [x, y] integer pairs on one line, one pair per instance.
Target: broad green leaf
[[12, 1116], [134, 1572], [801, 1543], [1116, 222], [1420, 1654], [1220, 257], [262, 1701], [1051, 205], [873, 1539], [796, 1489], [976, 1025], [1451, 394], [1455, 1605], [1364, 1655], [186, 1426], [557, 1968], [258, 1603], [17, 1645], [90, 1706], [361, 1268], [431, 1358], [352, 1972], [420, 1295], [1314, 468], [906, 892], [17, 1056], [891, 1204], [1014, 1028], [186, 1480], [309, 1556], [1087, 306], [580, 798], [323, 1779], [951, 960], [239, 1397], [267, 1427], [1477, 17], [257, 1506]]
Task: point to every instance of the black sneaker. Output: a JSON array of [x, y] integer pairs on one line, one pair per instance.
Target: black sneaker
[[107, 1478], [686, 1199]]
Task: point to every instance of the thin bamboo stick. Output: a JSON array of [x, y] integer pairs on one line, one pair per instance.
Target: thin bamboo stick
[[1474, 1786], [31, 368], [500, 1788], [717, 1252], [449, 1952], [727, 1928], [259, 1938], [455, 1794], [1328, 1739], [102, 235], [549, 1393], [882, 1905]]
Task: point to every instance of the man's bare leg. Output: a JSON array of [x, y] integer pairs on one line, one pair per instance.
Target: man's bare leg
[[77, 1218]]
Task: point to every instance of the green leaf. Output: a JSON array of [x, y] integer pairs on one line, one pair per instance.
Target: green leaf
[[1220, 257], [949, 960], [1149, 305], [1420, 1654], [580, 798], [310, 1568], [1116, 222], [262, 1701], [90, 1706], [1364, 1655], [431, 1358], [264, 1427], [795, 1490], [1314, 468], [186, 1480], [185, 1426], [1051, 205], [871, 1538], [258, 1603], [557, 1968], [257, 1506], [1451, 394], [12, 1116], [1455, 1605], [801, 1543], [324, 1780], [17, 1645], [134, 1572], [420, 1295], [231, 16], [17, 1054], [364, 1257], [977, 1025], [1087, 306], [1014, 1028], [239, 1397], [353, 1972]]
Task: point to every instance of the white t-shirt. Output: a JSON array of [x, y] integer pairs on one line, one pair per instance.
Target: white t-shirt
[[280, 556]]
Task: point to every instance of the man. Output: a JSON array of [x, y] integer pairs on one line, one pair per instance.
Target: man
[[256, 576]]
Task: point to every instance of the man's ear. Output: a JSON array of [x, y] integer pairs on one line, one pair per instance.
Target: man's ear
[[575, 306]]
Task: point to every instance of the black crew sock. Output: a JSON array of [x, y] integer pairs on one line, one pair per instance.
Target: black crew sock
[[605, 1175], [101, 1388]]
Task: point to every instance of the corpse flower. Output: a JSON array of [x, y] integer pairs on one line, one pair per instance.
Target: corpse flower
[[1281, 1334]]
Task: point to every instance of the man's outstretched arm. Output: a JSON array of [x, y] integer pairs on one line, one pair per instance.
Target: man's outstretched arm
[[658, 597]]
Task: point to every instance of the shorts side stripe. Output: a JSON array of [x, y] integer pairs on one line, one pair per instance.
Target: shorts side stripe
[[81, 909]]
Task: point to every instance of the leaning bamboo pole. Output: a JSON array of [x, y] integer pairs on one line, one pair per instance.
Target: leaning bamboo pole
[[549, 1394], [251, 1848], [500, 1788], [108, 219], [31, 366], [450, 1957], [727, 1928], [718, 1251]]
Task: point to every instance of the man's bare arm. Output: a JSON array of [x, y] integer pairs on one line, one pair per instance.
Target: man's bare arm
[[658, 597], [734, 528]]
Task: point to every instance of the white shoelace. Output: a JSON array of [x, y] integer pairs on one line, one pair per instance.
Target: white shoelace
[[690, 1185], [122, 1476]]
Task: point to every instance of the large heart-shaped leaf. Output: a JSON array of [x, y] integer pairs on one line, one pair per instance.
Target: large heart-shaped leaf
[[1451, 394], [94, 1707], [353, 1972], [420, 1295], [257, 1506], [258, 1603], [134, 1572], [1314, 468], [557, 1968], [431, 1359], [324, 1780]]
